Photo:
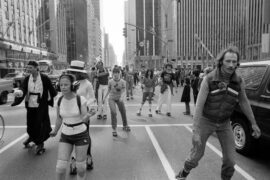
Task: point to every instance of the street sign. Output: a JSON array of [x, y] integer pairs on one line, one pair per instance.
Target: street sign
[[43, 45]]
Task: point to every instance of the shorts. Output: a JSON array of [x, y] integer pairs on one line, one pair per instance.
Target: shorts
[[149, 95], [80, 139]]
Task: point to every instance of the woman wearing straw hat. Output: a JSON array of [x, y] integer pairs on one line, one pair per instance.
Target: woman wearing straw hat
[[85, 89]]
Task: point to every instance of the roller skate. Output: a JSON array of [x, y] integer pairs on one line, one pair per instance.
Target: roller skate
[[126, 128], [40, 149]]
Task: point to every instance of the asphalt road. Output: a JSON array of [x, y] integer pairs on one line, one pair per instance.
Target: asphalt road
[[155, 149]]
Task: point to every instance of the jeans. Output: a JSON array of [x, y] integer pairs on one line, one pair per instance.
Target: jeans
[[129, 88], [163, 97], [201, 132], [102, 91], [122, 109]]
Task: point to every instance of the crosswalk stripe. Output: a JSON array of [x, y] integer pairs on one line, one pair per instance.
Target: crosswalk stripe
[[161, 155]]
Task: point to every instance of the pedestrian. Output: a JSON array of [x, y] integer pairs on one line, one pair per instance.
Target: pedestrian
[[186, 96], [195, 84], [167, 82], [102, 77], [128, 77], [38, 92], [148, 84], [86, 90], [115, 92], [72, 112], [220, 92]]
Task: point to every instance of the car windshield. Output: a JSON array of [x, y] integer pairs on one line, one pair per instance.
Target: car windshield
[[10, 75], [252, 76]]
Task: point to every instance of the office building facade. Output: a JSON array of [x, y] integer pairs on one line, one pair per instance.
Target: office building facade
[[26, 33]]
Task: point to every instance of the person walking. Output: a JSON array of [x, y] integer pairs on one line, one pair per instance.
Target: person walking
[[72, 112], [102, 77], [86, 90], [115, 92], [220, 92], [167, 82], [38, 92], [195, 85], [128, 77], [186, 96], [148, 84]]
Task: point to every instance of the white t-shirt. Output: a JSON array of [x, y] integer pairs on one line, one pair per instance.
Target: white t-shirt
[[86, 90], [70, 113]]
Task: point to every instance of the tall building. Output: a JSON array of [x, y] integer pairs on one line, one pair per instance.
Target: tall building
[[56, 34], [106, 50], [147, 26], [112, 56], [130, 40], [27, 33], [205, 27], [91, 32], [76, 25]]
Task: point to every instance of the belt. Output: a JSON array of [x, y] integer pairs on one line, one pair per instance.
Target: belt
[[72, 125]]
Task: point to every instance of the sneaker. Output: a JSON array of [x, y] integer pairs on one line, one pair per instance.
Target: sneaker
[[138, 113], [126, 128], [158, 112], [89, 163], [150, 115], [105, 117], [128, 98], [168, 114], [182, 175], [99, 117]]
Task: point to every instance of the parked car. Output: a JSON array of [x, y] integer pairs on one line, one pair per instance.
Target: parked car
[[17, 78], [6, 87], [256, 76]]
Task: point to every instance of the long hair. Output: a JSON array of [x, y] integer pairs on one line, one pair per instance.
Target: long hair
[[230, 49], [149, 73]]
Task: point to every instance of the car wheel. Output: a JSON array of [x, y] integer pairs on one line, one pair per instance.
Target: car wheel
[[3, 97], [242, 137]]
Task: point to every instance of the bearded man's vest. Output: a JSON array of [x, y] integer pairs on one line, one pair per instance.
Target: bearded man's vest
[[222, 98]]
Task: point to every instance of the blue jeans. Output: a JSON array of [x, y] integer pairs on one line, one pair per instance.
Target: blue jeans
[[201, 132], [122, 109]]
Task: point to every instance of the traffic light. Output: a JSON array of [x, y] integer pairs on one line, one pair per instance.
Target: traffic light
[[125, 32]]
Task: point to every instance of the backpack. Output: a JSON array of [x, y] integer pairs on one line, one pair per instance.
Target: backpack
[[78, 102]]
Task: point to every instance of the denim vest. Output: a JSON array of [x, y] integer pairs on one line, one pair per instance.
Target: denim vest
[[222, 98]]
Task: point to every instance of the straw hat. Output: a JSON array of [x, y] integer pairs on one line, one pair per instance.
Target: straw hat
[[77, 66]]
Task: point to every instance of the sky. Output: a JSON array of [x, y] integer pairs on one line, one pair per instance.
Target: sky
[[113, 18]]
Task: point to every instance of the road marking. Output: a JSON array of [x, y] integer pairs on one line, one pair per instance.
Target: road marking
[[161, 155], [12, 143], [237, 168], [107, 125], [138, 105]]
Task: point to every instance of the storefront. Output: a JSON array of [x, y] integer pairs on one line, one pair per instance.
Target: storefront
[[14, 57]]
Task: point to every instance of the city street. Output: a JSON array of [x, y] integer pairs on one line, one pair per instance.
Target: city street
[[155, 149]]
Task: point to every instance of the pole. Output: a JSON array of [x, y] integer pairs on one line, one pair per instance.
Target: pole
[[153, 2], [144, 27]]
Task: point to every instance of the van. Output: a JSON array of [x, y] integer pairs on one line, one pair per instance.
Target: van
[[256, 76]]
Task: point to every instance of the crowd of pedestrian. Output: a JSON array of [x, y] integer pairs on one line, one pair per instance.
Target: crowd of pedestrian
[[84, 94]]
